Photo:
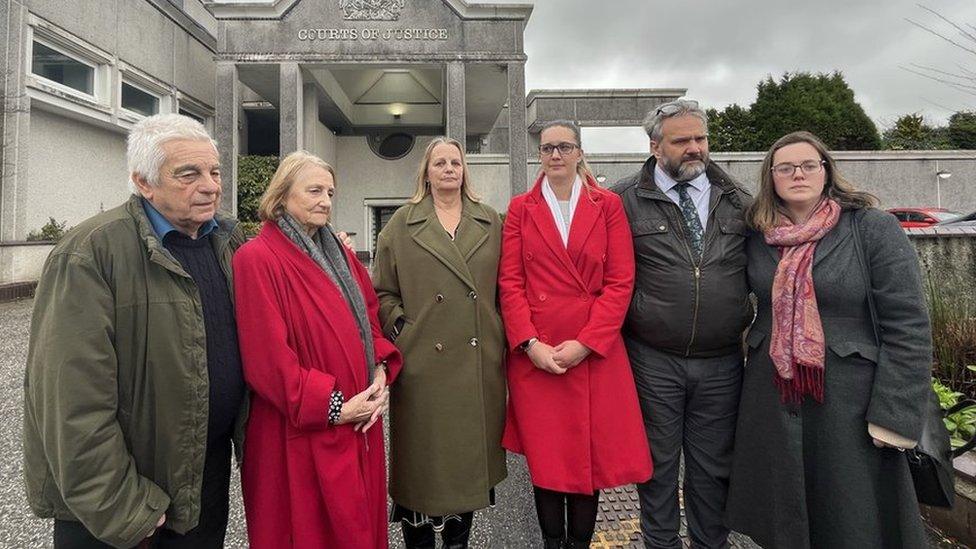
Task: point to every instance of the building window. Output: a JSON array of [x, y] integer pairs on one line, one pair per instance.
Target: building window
[[391, 146], [139, 101], [62, 68], [194, 116]]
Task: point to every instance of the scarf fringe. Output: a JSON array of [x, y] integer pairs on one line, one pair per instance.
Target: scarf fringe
[[807, 380]]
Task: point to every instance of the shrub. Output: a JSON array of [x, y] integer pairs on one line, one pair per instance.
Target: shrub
[[254, 173], [962, 424], [52, 230], [953, 338]]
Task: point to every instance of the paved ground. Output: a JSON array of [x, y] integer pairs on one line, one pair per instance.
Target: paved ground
[[511, 524]]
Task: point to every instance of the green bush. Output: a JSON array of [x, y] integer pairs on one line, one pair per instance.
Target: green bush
[[253, 176], [52, 230], [962, 424]]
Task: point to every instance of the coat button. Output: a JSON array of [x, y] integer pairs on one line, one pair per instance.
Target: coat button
[[439, 297], [542, 297], [528, 256], [472, 294], [586, 298], [473, 342], [661, 227], [438, 347]]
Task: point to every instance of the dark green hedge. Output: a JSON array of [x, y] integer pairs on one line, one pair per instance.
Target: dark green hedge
[[253, 176]]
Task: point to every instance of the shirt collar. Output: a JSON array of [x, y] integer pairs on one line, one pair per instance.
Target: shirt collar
[[666, 183], [162, 227]]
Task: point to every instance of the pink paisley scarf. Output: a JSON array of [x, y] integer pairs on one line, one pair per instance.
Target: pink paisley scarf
[[797, 342]]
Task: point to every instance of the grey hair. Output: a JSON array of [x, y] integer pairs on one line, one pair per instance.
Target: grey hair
[[144, 146], [568, 124], [679, 107]]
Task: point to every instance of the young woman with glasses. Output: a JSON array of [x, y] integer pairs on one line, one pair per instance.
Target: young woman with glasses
[[829, 399], [565, 282]]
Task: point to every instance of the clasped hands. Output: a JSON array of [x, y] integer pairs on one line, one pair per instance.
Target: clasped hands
[[559, 359], [366, 408]]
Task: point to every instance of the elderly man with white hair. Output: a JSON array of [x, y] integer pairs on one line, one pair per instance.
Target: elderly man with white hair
[[134, 390]]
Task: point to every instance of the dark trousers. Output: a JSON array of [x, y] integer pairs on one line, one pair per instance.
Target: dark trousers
[[688, 404], [209, 532]]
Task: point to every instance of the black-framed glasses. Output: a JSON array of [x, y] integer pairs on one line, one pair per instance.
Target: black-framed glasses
[[787, 169], [675, 107], [563, 148]]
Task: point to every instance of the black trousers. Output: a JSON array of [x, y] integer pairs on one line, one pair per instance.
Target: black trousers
[[689, 405], [209, 532]]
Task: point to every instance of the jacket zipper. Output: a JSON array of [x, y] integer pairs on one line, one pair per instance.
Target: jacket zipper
[[697, 272]]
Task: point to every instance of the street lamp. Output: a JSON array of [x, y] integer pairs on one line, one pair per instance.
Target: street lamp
[[939, 176]]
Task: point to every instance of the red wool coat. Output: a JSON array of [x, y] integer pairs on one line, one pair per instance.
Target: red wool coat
[[581, 431], [306, 483]]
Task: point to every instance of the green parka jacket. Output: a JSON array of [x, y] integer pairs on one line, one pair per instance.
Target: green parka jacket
[[116, 389]]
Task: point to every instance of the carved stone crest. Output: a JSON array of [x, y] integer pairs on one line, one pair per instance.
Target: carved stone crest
[[371, 10]]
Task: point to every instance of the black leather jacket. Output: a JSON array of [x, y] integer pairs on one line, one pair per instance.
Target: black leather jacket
[[680, 305]]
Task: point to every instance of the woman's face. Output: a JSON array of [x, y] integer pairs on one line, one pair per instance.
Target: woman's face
[[555, 163], [445, 172], [798, 176], [310, 199]]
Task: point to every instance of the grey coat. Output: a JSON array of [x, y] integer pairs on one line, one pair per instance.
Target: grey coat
[[808, 475]]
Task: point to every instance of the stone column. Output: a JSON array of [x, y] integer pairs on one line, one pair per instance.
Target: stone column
[[290, 109], [227, 105], [14, 125], [456, 111], [517, 135]]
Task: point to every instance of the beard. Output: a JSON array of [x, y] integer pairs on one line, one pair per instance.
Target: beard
[[687, 169]]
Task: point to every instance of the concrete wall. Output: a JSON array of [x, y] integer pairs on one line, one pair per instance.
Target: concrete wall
[[76, 170], [22, 262], [898, 178], [362, 174], [949, 261]]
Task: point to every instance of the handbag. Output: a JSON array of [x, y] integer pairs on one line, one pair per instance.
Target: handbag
[[930, 462]]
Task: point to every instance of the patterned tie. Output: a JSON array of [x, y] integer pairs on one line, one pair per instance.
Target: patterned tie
[[692, 221]]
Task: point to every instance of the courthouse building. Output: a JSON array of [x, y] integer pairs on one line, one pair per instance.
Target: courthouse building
[[364, 84]]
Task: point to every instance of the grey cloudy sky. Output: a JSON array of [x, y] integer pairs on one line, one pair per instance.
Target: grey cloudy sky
[[720, 50]]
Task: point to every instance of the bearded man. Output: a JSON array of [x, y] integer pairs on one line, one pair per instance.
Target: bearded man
[[684, 327]]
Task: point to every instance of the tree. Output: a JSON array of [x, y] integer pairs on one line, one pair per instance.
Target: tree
[[910, 132], [820, 103], [962, 130], [731, 129]]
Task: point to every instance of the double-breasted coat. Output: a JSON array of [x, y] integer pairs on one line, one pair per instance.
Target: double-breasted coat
[[809, 475], [307, 483], [580, 431], [448, 405]]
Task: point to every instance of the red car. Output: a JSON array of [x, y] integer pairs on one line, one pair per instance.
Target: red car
[[922, 217]]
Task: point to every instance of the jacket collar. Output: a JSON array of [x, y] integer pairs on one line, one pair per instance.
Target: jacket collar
[[472, 233], [584, 219], [225, 226], [647, 188]]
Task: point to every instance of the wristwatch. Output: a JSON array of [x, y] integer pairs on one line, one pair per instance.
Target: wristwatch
[[528, 344]]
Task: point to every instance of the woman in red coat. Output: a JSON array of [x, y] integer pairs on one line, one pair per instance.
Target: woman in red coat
[[314, 472], [565, 281]]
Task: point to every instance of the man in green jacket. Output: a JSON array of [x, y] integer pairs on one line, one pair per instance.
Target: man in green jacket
[[134, 389]]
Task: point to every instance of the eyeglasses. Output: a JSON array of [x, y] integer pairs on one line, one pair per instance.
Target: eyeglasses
[[786, 169], [564, 148], [675, 107]]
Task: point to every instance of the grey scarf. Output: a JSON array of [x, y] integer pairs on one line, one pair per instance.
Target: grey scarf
[[326, 251]]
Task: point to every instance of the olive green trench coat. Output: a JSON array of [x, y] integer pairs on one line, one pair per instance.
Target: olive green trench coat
[[447, 406]]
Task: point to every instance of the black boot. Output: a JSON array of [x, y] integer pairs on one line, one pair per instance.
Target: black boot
[[456, 532], [570, 543], [417, 537], [552, 543]]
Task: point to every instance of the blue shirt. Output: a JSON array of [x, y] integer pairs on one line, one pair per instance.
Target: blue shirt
[[699, 190], [162, 227]]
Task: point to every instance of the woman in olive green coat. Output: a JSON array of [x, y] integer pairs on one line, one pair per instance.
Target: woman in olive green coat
[[435, 274]]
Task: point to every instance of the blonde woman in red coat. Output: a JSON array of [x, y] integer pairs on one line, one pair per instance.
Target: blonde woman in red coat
[[565, 282]]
